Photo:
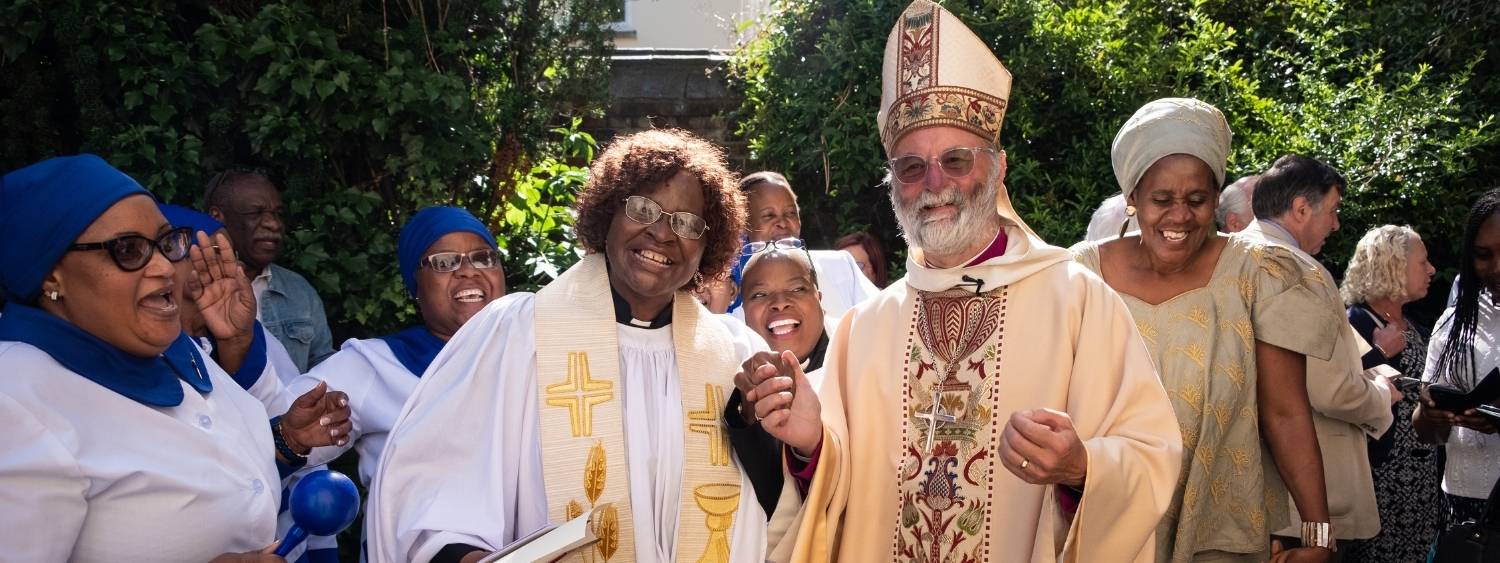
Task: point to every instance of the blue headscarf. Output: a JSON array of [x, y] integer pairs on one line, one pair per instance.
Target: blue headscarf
[[180, 216], [43, 209], [737, 273], [416, 347], [425, 228]]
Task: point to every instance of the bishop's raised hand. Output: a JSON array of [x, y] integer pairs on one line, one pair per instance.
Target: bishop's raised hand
[[778, 395]]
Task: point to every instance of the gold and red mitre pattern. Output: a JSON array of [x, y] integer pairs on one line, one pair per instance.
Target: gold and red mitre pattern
[[937, 72]]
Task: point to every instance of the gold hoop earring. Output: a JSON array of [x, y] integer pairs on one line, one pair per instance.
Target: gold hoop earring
[[697, 279]]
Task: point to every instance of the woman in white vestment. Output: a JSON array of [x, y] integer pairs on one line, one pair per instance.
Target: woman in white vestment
[[521, 420], [451, 265], [123, 442], [774, 215], [217, 309]]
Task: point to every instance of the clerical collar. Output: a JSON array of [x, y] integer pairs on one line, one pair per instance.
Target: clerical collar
[[149, 381], [415, 347], [996, 248], [623, 316]]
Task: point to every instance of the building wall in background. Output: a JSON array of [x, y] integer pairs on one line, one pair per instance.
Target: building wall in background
[[684, 24]]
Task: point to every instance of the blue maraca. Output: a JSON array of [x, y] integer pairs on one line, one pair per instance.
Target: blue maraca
[[323, 504]]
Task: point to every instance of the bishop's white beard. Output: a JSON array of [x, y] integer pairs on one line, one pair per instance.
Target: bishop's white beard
[[947, 237]]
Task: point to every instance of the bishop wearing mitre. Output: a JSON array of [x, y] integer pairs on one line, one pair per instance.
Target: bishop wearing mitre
[[997, 404]]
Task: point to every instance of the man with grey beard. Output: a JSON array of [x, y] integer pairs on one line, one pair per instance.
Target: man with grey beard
[[997, 404]]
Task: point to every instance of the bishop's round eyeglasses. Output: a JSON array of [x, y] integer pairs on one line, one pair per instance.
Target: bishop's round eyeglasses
[[643, 210], [133, 252], [956, 162], [484, 259]]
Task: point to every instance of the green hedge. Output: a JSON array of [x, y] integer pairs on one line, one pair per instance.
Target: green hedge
[[362, 111], [1400, 95]]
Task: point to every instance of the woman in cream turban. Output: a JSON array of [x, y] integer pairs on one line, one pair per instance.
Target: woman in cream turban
[[1229, 323]]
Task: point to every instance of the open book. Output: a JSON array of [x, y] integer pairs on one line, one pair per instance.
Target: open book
[[551, 542]]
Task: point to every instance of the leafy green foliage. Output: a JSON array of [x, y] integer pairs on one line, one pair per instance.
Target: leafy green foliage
[[362, 112], [1399, 95]]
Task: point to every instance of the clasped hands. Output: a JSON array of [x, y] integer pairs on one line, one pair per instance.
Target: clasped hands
[[776, 394]]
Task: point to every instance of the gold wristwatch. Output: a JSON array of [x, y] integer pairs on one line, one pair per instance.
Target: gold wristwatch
[[1318, 534]]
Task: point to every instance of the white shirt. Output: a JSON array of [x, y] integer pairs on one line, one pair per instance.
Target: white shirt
[[464, 462], [843, 284], [378, 386], [87, 474], [259, 286], [1473, 456], [270, 390]]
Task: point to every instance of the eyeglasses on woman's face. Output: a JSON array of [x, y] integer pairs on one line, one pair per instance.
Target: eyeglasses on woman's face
[[483, 259], [643, 210], [956, 162], [133, 252], [789, 243]]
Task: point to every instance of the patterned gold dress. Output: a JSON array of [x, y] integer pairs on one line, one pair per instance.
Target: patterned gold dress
[[1230, 495]]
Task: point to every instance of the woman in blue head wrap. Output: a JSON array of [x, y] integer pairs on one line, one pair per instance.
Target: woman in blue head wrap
[[217, 306], [451, 265], [121, 439]]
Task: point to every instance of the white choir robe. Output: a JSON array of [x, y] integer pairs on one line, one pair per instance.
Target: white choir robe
[[377, 384], [87, 474], [463, 465], [270, 389], [843, 284]]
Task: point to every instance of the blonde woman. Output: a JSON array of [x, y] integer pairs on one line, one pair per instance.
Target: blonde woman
[[1390, 269]]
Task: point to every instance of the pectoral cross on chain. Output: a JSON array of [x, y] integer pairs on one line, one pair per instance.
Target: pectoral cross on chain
[[936, 417]]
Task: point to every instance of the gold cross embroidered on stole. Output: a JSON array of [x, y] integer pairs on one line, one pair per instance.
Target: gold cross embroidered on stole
[[579, 393]]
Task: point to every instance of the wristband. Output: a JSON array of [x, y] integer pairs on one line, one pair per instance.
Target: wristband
[[293, 458]]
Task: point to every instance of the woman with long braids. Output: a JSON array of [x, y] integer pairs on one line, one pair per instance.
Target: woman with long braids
[[1465, 345]]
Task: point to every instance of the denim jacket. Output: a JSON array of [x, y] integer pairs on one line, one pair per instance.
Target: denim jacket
[[292, 312]]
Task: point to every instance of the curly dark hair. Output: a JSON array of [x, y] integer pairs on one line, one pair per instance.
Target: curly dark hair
[[636, 162]]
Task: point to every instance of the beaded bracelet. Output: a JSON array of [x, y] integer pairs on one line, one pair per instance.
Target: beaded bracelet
[[292, 458]]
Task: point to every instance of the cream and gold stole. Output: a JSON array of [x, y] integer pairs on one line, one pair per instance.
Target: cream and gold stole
[[582, 422]]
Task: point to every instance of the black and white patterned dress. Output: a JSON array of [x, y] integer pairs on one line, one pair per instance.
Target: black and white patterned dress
[[1408, 473]]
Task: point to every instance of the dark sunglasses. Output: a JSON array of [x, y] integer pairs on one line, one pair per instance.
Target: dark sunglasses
[[643, 210], [485, 259], [133, 252], [955, 162]]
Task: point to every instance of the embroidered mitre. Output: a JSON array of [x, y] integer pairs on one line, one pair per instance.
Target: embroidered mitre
[[937, 72]]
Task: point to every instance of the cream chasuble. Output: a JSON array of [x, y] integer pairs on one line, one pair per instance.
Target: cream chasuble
[[525, 418], [919, 384]]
